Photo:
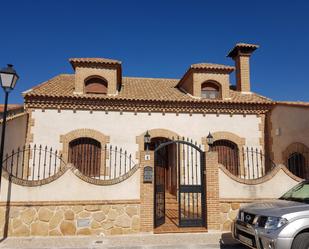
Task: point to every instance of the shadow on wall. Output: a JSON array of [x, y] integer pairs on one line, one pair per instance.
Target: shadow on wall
[[7, 211], [227, 242]]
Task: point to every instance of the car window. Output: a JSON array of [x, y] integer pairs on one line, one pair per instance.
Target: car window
[[299, 193]]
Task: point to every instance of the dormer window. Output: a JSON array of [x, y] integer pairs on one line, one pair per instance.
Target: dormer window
[[96, 85], [210, 90]]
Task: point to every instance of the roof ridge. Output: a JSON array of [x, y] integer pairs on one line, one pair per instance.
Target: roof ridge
[[136, 77]]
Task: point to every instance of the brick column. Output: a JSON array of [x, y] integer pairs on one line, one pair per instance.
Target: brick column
[[146, 194], [212, 191]]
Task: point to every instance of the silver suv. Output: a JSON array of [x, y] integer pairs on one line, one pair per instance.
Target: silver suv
[[279, 224]]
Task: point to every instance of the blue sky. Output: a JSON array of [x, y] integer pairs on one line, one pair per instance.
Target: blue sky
[[158, 39]]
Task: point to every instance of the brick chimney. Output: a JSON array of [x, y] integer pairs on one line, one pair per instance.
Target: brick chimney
[[241, 55]]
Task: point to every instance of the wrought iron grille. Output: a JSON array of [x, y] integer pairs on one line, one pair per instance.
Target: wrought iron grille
[[39, 162], [297, 163], [247, 163], [33, 163]]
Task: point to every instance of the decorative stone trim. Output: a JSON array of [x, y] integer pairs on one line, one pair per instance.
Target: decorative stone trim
[[239, 141], [67, 138], [69, 203], [262, 131], [129, 105], [30, 125], [154, 133], [260, 180]]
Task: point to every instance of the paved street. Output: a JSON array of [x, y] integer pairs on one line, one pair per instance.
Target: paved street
[[143, 241]]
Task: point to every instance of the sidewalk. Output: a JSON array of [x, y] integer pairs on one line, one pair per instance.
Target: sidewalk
[[141, 241]]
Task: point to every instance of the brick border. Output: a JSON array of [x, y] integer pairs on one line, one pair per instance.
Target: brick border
[[146, 194], [78, 133], [263, 179], [239, 141], [76, 172], [105, 182], [153, 133], [35, 183], [212, 191]]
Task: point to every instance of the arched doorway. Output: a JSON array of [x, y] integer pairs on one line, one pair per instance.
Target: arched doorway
[[297, 164], [179, 197]]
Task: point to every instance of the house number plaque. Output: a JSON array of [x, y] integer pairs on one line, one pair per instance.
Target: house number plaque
[[148, 174]]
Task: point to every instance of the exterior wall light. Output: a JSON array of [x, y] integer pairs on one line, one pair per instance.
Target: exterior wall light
[[210, 140], [147, 140]]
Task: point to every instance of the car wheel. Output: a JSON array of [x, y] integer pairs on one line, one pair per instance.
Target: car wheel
[[301, 241]]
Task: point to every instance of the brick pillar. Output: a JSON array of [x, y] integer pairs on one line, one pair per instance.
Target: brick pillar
[[212, 191], [146, 194]]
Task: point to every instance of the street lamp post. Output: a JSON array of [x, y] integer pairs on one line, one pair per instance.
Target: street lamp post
[[8, 79]]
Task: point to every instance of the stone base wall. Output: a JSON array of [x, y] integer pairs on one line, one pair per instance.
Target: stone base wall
[[228, 212], [62, 220]]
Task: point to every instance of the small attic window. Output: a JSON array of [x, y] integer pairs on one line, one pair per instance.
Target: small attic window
[[96, 85], [210, 90]]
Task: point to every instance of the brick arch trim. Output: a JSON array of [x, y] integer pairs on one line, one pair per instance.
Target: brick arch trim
[[226, 136], [295, 147], [90, 133], [154, 133], [239, 141]]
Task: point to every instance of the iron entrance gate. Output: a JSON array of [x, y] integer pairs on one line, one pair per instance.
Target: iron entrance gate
[[189, 162]]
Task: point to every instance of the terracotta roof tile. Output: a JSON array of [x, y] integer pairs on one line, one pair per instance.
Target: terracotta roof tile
[[293, 103], [212, 66], [82, 61], [11, 107], [136, 89]]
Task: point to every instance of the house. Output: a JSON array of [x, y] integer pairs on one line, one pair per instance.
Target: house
[[105, 153]]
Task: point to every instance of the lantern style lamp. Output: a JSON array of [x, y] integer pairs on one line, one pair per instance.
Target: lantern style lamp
[[147, 140], [210, 140], [8, 79]]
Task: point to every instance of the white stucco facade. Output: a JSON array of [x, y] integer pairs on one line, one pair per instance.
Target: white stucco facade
[[69, 187], [269, 189], [123, 128], [16, 131]]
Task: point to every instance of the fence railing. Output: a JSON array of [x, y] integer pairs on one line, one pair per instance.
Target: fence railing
[[39, 162], [33, 163], [112, 162], [256, 164], [247, 163]]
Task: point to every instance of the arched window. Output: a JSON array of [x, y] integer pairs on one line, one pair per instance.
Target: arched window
[[85, 154], [96, 85], [228, 155], [297, 164], [210, 90]]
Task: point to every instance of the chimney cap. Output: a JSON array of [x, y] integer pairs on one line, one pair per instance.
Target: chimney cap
[[242, 49]]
